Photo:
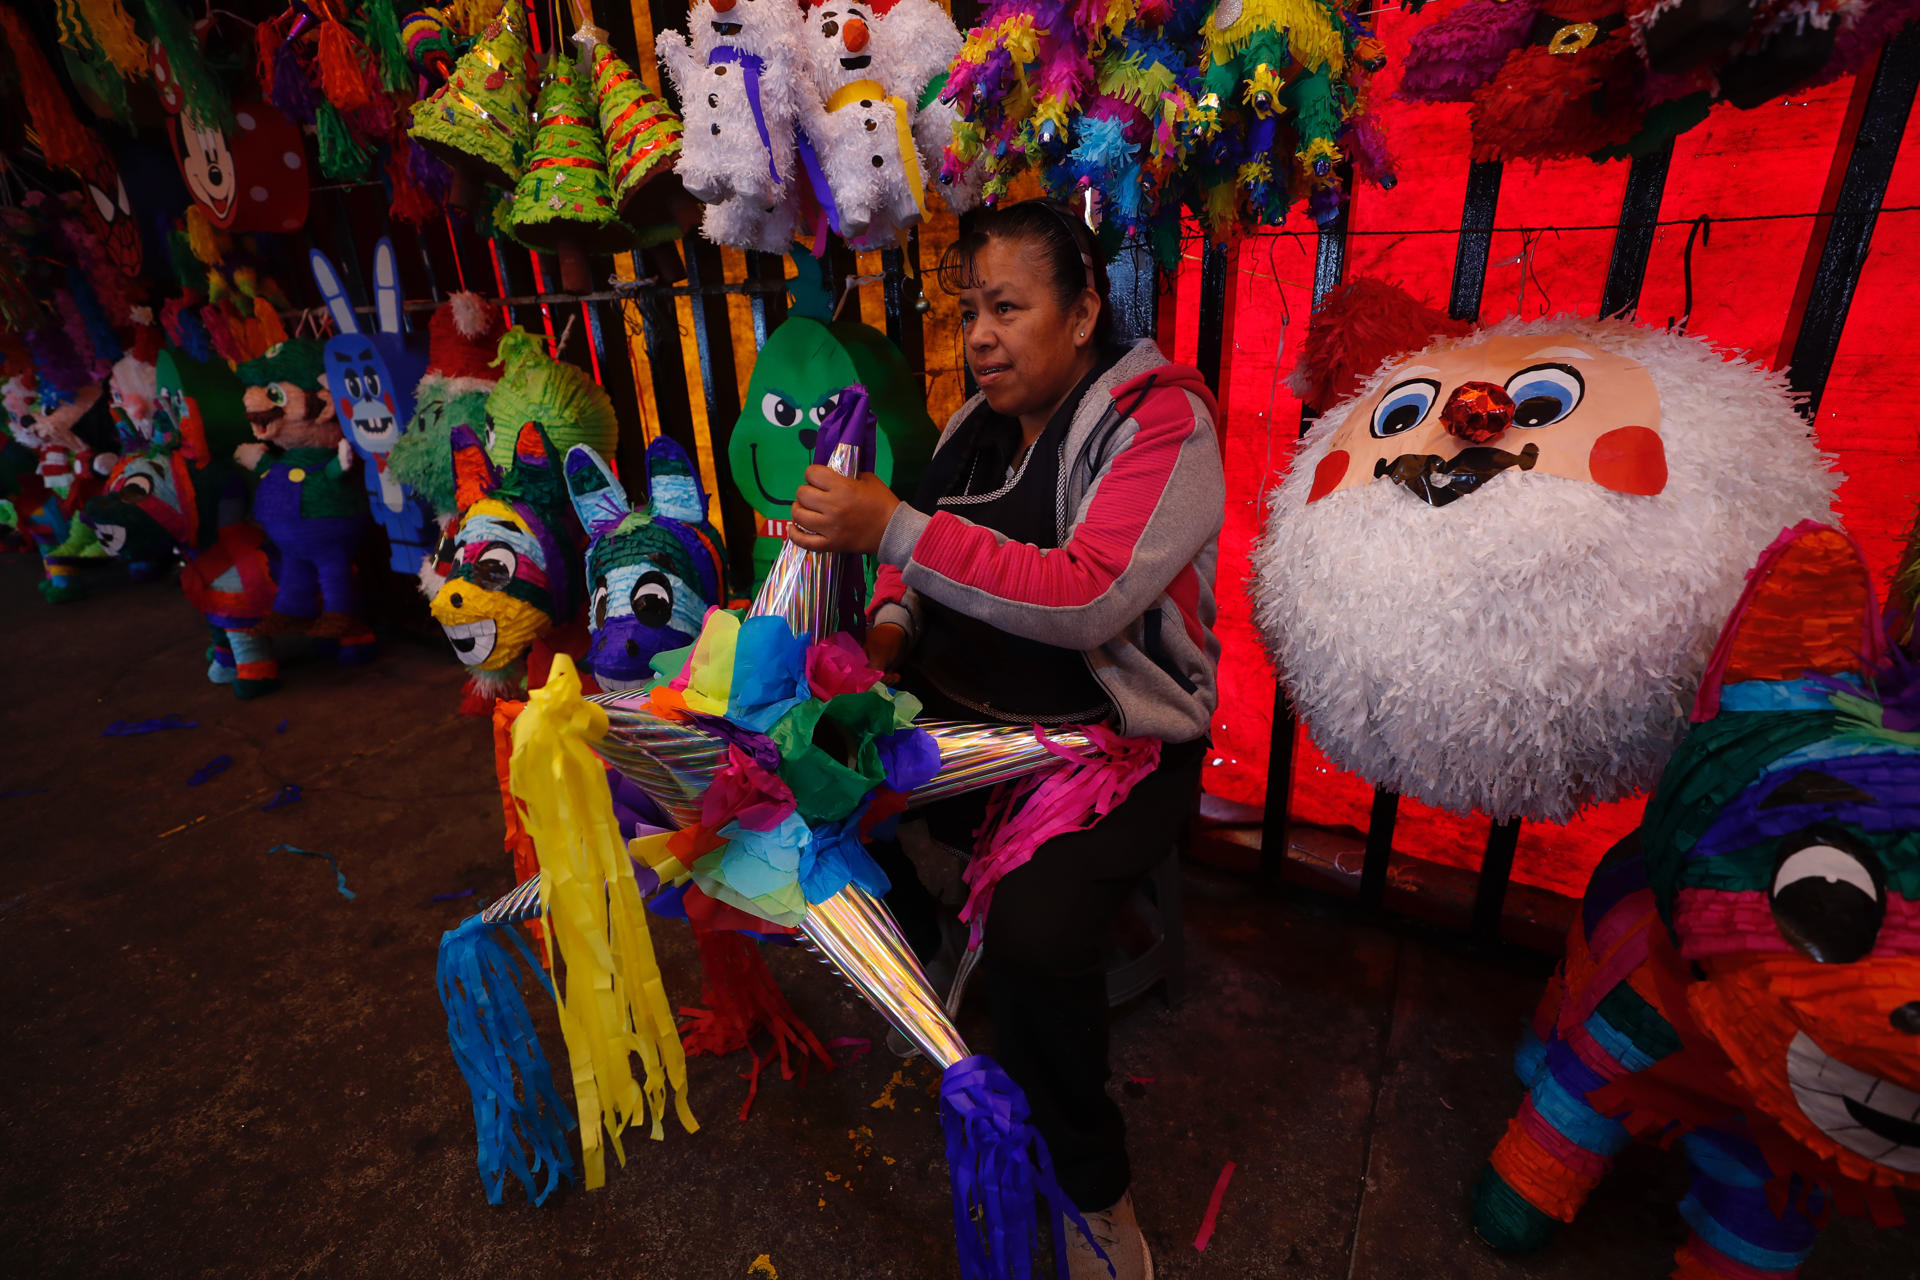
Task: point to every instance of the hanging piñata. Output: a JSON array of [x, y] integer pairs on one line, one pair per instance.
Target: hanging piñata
[[871, 69], [1552, 79], [564, 202], [477, 121], [742, 81]]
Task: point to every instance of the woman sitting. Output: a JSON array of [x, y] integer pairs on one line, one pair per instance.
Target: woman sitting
[[1055, 568]]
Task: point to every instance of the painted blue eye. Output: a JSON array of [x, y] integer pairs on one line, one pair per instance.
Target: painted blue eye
[[1544, 394], [1405, 407]]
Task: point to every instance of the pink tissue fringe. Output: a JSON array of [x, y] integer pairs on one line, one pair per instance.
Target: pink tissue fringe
[[1024, 815]]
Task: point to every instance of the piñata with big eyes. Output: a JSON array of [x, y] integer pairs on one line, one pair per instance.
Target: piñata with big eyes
[[1493, 573], [182, 493], [653, 569], [371, 377], [513, 576], [1744, 978]]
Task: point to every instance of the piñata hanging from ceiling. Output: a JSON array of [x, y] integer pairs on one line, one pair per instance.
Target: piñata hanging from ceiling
[[1553, 79], [1235, 111]]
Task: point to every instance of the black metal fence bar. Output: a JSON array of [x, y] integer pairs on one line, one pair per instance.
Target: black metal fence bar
[[1215, 284], [1329, 268], [1869, 167], [1633, 242], [1476, 239], [1496, 871]]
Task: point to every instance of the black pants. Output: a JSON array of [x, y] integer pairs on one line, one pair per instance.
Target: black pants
[[1044, 960]]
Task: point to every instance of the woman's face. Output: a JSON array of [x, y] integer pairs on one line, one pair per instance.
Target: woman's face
[[1023, 347]]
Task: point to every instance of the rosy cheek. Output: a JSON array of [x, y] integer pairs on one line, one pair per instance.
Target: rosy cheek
[[1327, 476], [1629, 460]]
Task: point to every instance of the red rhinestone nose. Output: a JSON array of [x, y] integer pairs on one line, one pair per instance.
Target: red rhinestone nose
[[1478, 412]]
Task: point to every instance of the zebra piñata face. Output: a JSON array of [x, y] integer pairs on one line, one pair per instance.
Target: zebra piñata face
[[653, 571]]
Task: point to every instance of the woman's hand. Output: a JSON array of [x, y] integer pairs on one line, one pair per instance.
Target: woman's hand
[[833, 512], [886, 646]]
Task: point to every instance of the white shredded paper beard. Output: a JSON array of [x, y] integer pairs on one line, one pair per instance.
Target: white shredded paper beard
[[1534, 646]]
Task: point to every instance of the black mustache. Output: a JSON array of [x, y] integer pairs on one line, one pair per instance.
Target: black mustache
[[1438, 481]]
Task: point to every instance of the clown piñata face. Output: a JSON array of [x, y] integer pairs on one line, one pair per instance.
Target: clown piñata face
[[512, 575], [1445, 422], [1784, 849], [1491, 579]]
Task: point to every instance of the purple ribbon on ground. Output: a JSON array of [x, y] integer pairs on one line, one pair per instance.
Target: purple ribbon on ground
[[751, 66], [999, 1163]]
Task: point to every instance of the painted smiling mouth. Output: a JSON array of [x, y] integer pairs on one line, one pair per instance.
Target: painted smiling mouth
[[1439, 481], [473, 641], [381, 426], [753, 456], [726, 28], [857, 64], [1867, 1115]]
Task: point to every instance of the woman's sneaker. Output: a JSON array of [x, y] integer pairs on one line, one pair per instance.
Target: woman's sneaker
[[1117, 1232]]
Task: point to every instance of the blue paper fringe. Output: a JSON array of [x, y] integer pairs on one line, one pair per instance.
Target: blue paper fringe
[[339, 876], [133, 728], [210, 770], [998, 1162], [518, 1116]]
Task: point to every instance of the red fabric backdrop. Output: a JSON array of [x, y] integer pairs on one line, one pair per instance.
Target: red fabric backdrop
[[1774, 160]]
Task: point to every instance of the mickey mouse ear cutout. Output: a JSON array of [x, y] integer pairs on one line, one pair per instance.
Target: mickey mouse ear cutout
[[1358, 327]]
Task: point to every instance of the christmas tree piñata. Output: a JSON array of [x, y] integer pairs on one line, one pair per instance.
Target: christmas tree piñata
[[642, 139], [564, 203], [477, 120]]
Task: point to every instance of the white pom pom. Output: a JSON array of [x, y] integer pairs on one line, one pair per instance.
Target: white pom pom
[[470, 313]]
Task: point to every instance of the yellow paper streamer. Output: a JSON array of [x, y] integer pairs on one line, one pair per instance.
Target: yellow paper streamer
[[615, 1002]]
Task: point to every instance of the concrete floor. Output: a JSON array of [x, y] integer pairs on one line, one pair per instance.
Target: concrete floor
[[215, 1065]]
